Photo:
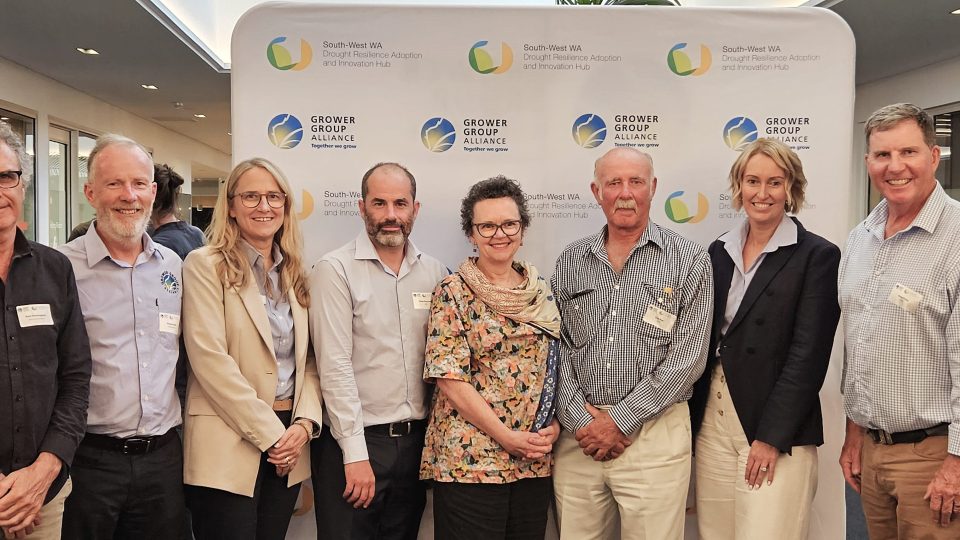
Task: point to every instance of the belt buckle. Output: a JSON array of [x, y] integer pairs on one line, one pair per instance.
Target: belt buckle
[[885, 438], [394, 434], [136, 445]]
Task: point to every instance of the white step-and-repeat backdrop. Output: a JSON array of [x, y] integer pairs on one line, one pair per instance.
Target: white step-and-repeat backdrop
[[459, 94]]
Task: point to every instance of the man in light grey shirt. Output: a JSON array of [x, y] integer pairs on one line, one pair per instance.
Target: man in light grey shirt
[[899, 285], [128, 470], [368, 323]]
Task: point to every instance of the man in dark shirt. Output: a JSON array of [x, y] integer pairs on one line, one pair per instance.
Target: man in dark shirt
[[44, 366]]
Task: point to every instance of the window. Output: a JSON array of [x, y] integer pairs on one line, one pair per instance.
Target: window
[[59, 167], [25, 127], [80, 209]]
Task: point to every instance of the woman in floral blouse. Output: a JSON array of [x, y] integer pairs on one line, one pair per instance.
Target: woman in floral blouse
[[491, 350]]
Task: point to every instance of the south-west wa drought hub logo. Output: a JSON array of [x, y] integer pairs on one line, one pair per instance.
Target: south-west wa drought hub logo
[[678, 211], [484, 58], [281, 58], [739, 132], [680, 63], [438, 134], [589, 130], [285, 131]]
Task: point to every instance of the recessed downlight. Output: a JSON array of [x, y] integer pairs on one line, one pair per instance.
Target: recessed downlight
[[149, 87], [84, 50], [199, 116]]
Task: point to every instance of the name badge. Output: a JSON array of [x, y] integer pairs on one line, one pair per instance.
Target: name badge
[[170, 323], [421, 300], [34, 315], [660, 318], [905, 298]]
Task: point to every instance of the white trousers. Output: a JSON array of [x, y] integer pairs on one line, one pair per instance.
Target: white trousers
[[727, 509], [646, 486]]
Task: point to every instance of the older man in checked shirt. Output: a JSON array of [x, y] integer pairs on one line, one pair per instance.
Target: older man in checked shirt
[[899, 288], [636, 301]]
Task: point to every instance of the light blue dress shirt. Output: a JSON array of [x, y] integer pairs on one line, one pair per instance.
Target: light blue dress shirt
[[132, 315]]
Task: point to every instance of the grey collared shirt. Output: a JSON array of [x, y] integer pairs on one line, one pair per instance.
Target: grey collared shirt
[[785, 235], [277, 304], [132, 315], [369, 327], [611, 357], [901, 367]]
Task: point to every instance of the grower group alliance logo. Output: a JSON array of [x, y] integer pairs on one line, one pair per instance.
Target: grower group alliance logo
[[483, 62], [739, 132], [678, 211], [438, 134], [679, 61], [285, 131], [281, 58], [589, 130]]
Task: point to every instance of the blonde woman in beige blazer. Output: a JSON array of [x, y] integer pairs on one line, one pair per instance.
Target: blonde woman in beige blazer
[[253, 396]]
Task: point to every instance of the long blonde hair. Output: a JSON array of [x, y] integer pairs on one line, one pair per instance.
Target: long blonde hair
[[223, 235]]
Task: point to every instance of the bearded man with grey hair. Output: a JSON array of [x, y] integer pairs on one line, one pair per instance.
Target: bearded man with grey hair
[[128, 472], [636, 302]]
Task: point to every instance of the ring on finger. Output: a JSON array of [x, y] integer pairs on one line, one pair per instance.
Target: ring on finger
[[763, 469]]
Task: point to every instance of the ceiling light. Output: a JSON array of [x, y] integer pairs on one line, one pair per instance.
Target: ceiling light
[[230, 134], [148, 87], [87, 51], [955, 12], [199, 116], [4, 118]]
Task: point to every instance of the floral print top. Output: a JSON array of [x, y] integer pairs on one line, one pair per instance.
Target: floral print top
[[506, 362]]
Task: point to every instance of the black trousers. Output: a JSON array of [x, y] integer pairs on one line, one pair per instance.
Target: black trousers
[[514, 511], [399, 495], [221, 515], [117, 496]]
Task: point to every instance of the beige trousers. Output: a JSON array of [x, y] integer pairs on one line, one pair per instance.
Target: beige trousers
[[51, 516], [646, 486], [727, 509]]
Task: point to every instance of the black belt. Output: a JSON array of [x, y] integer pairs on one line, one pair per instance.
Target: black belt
[[396, 429], [130, 445], [880, 436]]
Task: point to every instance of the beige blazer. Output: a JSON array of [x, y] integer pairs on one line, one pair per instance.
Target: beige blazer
[[233, 380]]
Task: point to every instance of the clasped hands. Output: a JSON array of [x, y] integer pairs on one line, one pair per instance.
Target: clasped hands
[[601, 439], [286, 451]]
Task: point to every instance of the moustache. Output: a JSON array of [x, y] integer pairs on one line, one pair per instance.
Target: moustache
[[626, 203]]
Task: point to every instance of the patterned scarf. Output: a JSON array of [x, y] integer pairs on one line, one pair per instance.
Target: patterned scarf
[[531, 303]]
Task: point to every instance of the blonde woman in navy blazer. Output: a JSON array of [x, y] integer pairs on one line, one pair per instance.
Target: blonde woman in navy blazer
[[756, 411]]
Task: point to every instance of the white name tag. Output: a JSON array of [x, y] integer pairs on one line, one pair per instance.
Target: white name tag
[[660, 318], [421, 300], [905, 298], [170, 323], [34, 315]]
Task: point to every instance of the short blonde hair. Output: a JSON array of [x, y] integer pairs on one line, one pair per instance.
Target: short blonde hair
[[785, 158], [224, 236]]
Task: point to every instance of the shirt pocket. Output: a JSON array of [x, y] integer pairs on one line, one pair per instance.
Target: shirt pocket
[[663, 296], [582, 313]]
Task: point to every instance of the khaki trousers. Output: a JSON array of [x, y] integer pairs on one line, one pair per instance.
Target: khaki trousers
[[51, 516], [894, 479], [646, 486], [727, 509]]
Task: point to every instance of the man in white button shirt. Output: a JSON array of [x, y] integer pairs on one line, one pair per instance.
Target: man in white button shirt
[[899, 285], [369, 324], [128, 470]]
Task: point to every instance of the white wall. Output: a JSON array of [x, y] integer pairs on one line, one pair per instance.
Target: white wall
[[51, 102]]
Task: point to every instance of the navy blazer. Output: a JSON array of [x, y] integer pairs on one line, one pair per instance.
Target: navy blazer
[[777, 349]]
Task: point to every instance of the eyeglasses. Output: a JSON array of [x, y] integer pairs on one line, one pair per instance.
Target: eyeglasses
[[251, 199], [489, 230], [10, 179]]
